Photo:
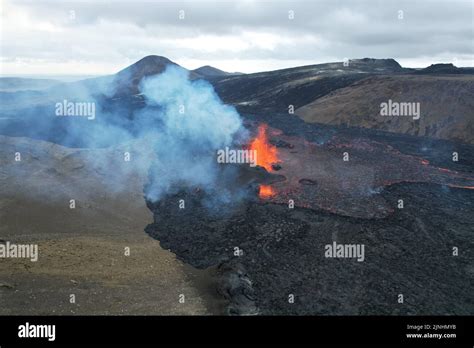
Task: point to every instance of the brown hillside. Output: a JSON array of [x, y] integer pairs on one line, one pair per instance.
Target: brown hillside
[[446, 105]]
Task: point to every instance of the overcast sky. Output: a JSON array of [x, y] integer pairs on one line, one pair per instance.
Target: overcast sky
[[41, 37]]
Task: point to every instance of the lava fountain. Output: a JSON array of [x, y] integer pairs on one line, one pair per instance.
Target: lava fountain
[[267, 154]]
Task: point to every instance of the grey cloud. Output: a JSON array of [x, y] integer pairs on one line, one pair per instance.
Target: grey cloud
[[344, 28]]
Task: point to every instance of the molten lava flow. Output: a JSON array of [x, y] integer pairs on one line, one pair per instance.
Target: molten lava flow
[[265, 191], [267, 154]]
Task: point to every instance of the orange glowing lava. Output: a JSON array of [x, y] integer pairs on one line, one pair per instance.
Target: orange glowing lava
[[267, 154], [265, 191]]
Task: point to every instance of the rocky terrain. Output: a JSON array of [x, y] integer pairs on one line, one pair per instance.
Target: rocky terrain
[[282, 254], [408, 251]]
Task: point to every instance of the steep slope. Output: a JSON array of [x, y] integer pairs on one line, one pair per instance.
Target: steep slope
[[446, 105]]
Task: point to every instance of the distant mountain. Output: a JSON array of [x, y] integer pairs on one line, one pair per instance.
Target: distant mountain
[[389, 64], [445, 69], [14, 84], [210, 71], [128, 79]]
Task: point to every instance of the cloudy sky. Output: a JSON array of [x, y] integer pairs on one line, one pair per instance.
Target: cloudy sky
[[94, 37]]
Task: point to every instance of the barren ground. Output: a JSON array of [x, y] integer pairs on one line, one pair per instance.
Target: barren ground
[[82, 250]]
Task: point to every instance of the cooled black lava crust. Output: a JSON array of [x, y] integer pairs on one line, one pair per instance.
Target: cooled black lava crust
[[409, 252]]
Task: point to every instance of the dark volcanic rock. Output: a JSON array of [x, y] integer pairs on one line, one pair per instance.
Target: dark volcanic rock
[[444, 69], [235, 286], [276, 166], [281, 251], [274, 91], [282, 143], [282, 254], [307, 182]]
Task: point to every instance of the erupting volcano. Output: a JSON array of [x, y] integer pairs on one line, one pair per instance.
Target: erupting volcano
[[391, 196]]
